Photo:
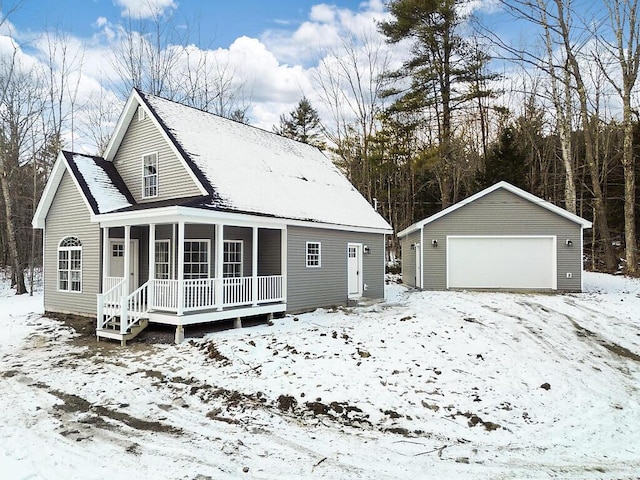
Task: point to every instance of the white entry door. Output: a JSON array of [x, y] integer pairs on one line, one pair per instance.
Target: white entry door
[[116, 262], [354, 269]]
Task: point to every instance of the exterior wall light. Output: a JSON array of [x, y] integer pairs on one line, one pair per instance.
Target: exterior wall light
[[569, 243], [434, 242], [366, 250]]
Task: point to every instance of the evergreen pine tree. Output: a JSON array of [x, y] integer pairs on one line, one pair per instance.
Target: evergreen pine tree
[[302, 124]]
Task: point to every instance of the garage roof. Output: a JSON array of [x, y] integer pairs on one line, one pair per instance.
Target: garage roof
[[506, 186]]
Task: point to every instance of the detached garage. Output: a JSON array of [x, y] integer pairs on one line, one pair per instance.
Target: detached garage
[[501, 238]]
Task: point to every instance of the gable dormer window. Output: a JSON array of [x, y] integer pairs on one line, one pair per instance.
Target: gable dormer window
[[150, 175], [141, 113]]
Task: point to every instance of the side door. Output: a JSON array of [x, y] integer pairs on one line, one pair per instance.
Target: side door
[[354, 270]]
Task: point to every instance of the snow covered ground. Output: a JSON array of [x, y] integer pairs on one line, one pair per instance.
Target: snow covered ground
[[450, 385]]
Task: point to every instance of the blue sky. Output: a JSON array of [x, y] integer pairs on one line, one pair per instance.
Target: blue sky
[[273, 48], [222, 21]]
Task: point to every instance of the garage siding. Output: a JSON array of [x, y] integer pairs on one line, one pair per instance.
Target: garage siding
[[502, 213], [409, 258], [310, 288]]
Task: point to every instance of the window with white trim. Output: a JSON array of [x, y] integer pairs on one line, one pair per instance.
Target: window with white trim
[[232, 259], [162, 260], [150, 175], [70, 265], [314, 250], [196, 259]]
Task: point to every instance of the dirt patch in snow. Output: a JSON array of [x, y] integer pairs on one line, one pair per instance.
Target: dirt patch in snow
[[475, 420], [73, 404], [582, 332]]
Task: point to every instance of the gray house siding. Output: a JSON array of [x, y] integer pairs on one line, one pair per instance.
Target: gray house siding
[[143, 138], [409, 258], [270, 258], [502, 213], [69, 216], [309, 288]]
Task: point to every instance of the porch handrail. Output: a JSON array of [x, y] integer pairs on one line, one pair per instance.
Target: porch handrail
[[109, 303], [135, 307], [110, 282]]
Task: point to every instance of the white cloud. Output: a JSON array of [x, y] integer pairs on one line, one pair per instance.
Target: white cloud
[[100, 22], [145, 8], [325, 30], [323, 13]]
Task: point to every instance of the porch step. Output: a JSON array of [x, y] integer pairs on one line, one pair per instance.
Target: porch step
[[113, 331]]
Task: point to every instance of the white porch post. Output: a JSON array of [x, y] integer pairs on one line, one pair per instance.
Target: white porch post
[[254, 267], [127, 259], [105, 256], [180, 267], [152, 263], [219, 246], [283, 262]]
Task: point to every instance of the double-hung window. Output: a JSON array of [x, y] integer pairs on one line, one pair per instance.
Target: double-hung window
[[150, 175], [70, 265], [232, 259], [314, 252], [196, 259], [162, 260]]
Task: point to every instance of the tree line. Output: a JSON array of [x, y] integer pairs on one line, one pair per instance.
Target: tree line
[[458, 109]]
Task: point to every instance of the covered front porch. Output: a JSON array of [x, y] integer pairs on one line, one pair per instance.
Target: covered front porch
[[186, 272]]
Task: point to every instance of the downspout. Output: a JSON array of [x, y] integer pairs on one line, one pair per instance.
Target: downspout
[[422, 257], [384, 264], [581, 258]]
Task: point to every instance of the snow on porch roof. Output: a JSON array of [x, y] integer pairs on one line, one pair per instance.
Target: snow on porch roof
[[101, 184], [255, 171], [506, 186]]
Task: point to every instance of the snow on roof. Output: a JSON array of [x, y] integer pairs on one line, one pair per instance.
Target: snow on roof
[[256, 171], [99, 183]]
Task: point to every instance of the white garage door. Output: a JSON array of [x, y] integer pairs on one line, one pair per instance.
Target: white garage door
[[501, 262]]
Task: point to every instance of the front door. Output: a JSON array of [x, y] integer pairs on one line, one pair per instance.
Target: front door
[[354, 269], [116, 262]]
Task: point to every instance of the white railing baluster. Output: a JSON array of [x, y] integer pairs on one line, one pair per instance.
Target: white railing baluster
[[109, 301], [198, 294]]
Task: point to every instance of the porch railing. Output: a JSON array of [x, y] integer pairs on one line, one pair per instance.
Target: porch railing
[[134, 307], [237, 291], [197, 294], [270, 288], [110, 282], [110, 302], [204, 293]]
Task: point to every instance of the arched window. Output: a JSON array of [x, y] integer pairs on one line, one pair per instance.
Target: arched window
[[70, 265]]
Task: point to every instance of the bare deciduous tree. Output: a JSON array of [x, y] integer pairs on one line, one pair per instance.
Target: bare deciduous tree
[[21, 107], [622, 73], [350, 83]]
